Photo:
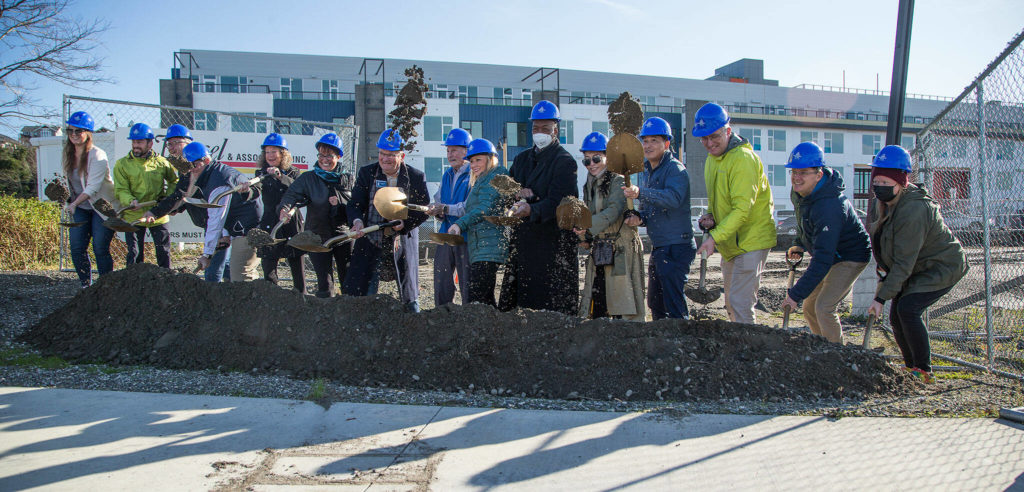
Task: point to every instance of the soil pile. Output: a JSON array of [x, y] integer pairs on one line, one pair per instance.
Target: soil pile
[[147, 315]]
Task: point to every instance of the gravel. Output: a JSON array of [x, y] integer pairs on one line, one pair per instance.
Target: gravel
[[31, 295]]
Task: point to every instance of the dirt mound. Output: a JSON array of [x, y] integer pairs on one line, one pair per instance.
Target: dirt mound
[[148, 315]]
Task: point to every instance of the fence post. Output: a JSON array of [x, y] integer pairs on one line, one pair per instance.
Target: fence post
[[983, 167]]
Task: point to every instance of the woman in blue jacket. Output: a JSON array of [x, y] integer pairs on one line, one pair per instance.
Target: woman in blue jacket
[[827, 227], [488, 243]]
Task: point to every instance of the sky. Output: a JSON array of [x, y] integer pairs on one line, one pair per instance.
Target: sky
[[800, 41]]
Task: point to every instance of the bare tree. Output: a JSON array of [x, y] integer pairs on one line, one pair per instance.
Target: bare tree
[[39, 39]]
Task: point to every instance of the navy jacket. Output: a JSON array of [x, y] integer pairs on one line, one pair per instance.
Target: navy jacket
[[666, 203], [828, 228]]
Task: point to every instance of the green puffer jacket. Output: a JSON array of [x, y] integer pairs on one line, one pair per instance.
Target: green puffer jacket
[[487, 241], [912, 243], [740, 200], [144, 179]]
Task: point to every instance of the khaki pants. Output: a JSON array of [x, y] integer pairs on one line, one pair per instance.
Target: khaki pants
[[820, 306], [741, 278], [243, 260]]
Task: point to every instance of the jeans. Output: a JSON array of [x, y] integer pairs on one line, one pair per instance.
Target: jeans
[[79, 237], [449, 259], [136, 244], [908, 329], [219, 269], [666, 279]]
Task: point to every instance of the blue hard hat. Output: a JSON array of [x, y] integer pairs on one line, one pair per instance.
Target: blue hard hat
[[175, 131], [458, 137], [893, 157], [194, 151], [277, 140], [595, 141], [806, 154], [81, 119], [709, 118], [331, 140], [656, 126], [140, 131], [545, 110], [390, 140], [480, 146]]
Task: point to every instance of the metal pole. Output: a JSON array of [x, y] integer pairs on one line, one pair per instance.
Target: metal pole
[[64, 232], [984, 217], [900, 60]]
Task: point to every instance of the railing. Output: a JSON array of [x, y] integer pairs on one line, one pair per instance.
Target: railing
[[230, 88], [819, 113], [314, 95], [870, 92]]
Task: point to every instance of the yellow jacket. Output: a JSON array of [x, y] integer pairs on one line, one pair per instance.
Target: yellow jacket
[[740, 200], [146, 179]]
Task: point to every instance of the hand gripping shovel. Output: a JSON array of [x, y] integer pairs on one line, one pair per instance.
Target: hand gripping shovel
[[792, 277], [309, 241], [118, 224], [257, 237], [199, 202], [703, 295], [392, 204]]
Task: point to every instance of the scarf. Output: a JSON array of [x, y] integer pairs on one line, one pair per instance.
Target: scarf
[[328, 176]]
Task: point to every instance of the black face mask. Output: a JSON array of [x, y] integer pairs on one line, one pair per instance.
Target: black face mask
[[884, 193]]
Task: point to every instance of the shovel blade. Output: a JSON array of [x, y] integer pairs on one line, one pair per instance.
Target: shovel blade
[[71, 224], [119, 225], [702, 296]]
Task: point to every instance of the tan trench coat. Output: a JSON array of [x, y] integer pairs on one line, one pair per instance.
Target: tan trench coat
[[624, 280]]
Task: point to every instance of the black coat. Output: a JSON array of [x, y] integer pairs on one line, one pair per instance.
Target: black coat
[[543, 269], [312, 192], [272, 191]]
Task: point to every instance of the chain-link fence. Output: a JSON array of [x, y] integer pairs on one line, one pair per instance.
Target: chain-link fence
[[971, 159], [233, 138]]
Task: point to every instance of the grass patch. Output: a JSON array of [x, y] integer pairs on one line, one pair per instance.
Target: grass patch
[[28, 233], [24, 358], [317, 389]]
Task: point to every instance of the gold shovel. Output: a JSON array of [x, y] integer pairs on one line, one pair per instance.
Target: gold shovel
[[625, 157], [310, 241], [573, 213], [393, 204], [792, 277], [118, 224], [199, 202], [257, 237]]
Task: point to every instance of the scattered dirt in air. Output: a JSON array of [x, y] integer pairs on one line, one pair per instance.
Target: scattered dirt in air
[[505, 184], [410, 104], [625, 115], [373, 341]]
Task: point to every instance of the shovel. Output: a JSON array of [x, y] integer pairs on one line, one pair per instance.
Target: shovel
[[505, 184], [625, 157], [792, 277], [258, 237], [68, 221], [867, 331], [703, 295], [118, 224], [445, 238], [504, 220], [310, 241], [199, 202], [393, 204]]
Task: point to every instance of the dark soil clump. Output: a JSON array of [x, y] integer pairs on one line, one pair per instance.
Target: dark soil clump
[[410, 104], [179, 321], [625, 115]]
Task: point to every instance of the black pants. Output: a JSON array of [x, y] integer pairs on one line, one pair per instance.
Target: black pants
[[136, 243], [908, 327], [666, 280], [269, 265], [483, 276], [323, 265], [599, 295]]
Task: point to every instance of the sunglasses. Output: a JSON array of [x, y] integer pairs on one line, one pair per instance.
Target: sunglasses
[[75, 131], [593, 160]]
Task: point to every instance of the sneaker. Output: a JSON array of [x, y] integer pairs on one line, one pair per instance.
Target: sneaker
[[925, 376]]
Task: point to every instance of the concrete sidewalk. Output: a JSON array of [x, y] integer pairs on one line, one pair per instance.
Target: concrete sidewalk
[[100, 440]]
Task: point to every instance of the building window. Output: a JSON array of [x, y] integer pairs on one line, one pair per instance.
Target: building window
[[753, 135], [602, 126], [475, 128], [861, 181], [777, 140], [1004, 149], [565, 132], [249, 124], [806, 136], [907, 142], [329, 89], [468, 94], [833, 143], [230, 83], [517, 134], [291, 88], [776, 174], [206, 121], [871, 144], [434, 168], [436, 128]]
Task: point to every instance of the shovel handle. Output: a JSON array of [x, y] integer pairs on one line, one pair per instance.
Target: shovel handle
[[867, 331], [273, 232], [344, 238], [785, 317]]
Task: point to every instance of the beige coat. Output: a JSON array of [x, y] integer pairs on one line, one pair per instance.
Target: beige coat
[[624, 280]]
